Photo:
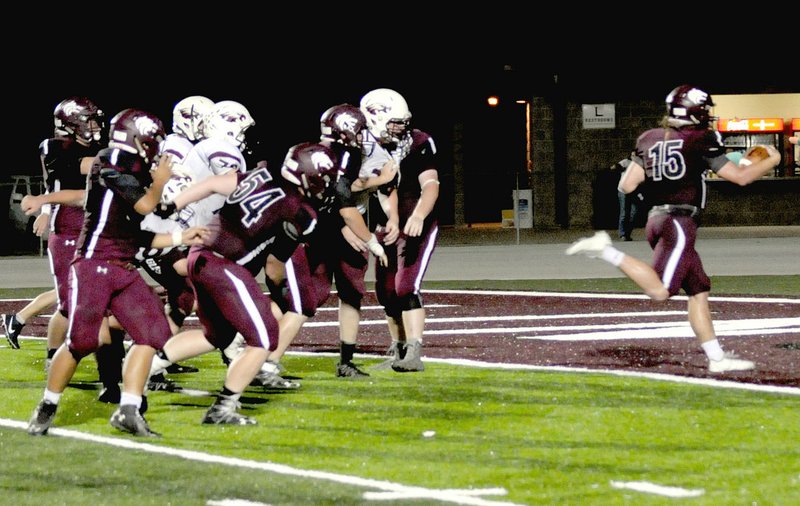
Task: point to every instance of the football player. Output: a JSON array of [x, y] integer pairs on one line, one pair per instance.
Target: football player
[[262, 217], [120, 190], [340, 246], [669, 164], [398, 284], [66, 159]]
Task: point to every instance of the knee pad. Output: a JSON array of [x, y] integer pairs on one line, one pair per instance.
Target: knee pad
[[393, 310], [411, 301], [350, 295], [352, 301]]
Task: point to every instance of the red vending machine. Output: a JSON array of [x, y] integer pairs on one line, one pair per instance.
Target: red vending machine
[[796, 150], [740, 134]]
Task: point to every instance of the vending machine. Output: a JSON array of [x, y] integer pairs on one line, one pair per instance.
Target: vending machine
[[796, 151], [739, 134]]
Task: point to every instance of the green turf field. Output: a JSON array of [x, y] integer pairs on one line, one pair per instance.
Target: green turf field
[[454, 434]]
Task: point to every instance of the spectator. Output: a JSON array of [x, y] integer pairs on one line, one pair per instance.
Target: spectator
[[629, 204]]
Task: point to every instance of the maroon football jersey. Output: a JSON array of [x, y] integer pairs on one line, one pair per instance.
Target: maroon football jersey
[[259, 215], [61, 168], [111, 225], [420, 158], [675, 162]]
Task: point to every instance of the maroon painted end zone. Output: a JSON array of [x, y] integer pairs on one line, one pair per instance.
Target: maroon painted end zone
[[777, 355]]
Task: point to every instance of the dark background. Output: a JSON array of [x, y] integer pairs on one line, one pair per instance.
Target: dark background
[[288, 68], [287, 97]]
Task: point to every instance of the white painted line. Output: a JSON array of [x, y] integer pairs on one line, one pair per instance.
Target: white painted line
[[508, 318], [235, 502], [755, 326], [652, 488], [610, 296], [392, 496], [444, 495]]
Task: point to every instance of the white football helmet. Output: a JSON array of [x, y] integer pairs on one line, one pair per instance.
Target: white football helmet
[[382, 107], [188, 115], [228, 120]]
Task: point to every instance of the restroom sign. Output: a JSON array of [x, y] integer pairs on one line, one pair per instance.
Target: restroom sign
[[599, 116]]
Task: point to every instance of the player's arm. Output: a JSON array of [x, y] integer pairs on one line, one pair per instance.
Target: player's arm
[[152, 196], [179, 237], [223, 184], [388, 173], [429, 184], [86, 164], [631, 178], [746, 174], [32, 203]]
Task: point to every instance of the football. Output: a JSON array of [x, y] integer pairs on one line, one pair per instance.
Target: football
[[754, 154]]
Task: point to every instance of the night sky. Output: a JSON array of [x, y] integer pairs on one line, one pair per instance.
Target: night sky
[[288, 69]]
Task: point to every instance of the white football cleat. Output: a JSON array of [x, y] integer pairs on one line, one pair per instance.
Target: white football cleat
[[592, 246], [730, 362]]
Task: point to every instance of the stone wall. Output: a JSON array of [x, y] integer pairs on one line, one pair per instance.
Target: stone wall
[[591, 189]]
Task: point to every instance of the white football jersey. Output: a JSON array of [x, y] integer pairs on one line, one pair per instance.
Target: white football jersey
[[207, 158], [374, 157]]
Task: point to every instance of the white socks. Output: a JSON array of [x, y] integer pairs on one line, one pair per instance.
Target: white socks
[[51, 396], [127, 398], [612, 255]]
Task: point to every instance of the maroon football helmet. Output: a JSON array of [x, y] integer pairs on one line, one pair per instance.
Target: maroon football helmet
[[137, 132], [689, 106], [313, 168], [343, 123], [78, 117]]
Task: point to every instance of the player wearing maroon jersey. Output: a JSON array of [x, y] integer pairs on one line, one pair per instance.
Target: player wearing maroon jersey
[[669, 165], [398, 285], [66, 159], [261, 217], [120, 190], [338, 250]]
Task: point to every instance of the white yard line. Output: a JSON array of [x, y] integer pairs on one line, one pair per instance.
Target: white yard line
[[399, 491], [652, 488]]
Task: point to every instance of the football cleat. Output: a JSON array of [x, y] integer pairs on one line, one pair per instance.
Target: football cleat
[[12, 328], [592, 246], [225, 411], [127, 418], [730, 362], [349, 370], [181, 369], [268, 379], [42, 418], [158, 382], [412, 362], [395, 352]]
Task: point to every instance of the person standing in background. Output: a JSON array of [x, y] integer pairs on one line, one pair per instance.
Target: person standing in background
[[629, 203]]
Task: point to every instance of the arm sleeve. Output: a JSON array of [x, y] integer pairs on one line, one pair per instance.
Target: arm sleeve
[[126, 186], [714, 151]]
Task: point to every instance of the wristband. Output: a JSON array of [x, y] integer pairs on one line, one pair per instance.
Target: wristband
[[177, 237], [374, 246]]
